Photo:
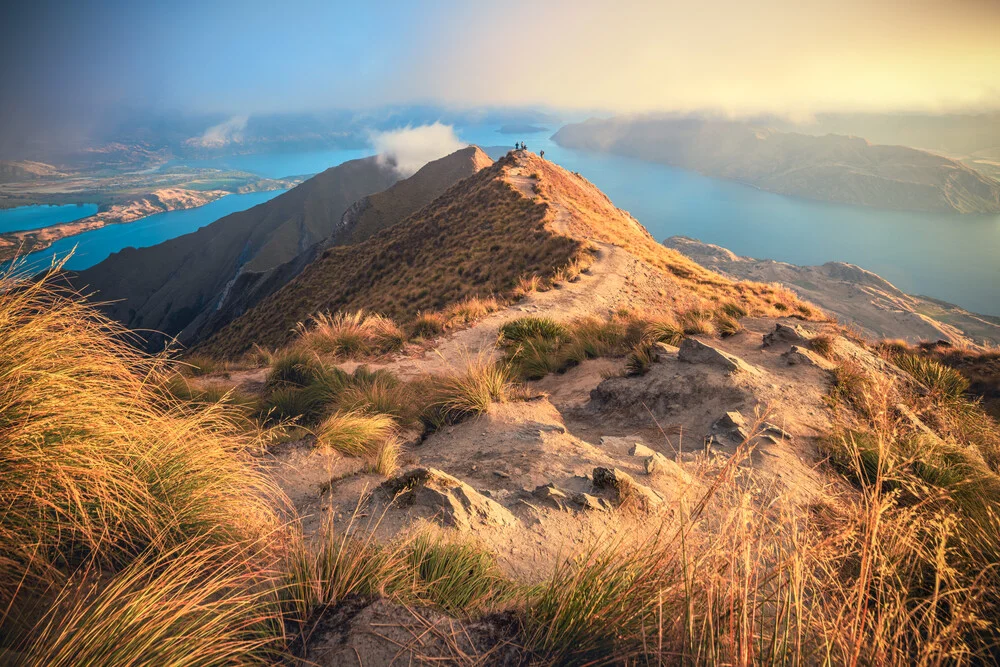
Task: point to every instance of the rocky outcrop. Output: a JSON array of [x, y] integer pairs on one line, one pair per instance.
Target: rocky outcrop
[[805, 357], [693, 351], [437, 495], [785, 334], [853, 295], [627, 491]]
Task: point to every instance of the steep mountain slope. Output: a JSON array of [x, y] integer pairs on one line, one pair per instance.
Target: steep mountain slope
[[383, 209], [364, 218], [856, 296], [830, 168], [522, 216], [172, 286]]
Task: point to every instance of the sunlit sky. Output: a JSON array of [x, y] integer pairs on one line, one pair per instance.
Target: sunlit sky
[[792, 57]]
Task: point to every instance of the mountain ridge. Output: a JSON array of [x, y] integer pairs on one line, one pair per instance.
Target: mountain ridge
[[834, 168]]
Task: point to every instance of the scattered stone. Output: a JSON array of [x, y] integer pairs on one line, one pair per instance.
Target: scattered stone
[[589, 502], [627, 490], [730, 421], [785, 334], [501, 474], [639, 449], [693, 351], [667, 348], [551, 494], [800, 355], [444, 498], [777, 431], [662, 466]]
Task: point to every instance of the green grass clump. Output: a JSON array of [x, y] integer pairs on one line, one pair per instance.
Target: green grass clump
[[456, 575], [523, 328], [294, 368], [941, 380]]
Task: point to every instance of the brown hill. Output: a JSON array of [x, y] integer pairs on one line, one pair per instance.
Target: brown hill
[[364, 218], [522, 216], [173, 287]]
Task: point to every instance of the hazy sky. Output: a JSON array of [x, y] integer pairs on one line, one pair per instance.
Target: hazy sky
[[792, 57]]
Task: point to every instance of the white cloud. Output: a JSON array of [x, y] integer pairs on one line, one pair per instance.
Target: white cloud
[[228, 131], [409, 148]]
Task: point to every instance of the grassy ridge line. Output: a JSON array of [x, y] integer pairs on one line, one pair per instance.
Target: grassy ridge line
[[476, 239]]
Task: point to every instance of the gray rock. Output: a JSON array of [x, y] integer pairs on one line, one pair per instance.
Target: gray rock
[[626, 489], [802, 356], [589, 502], [777, 431], [444, 498], [552, 495], [638, 449], [787, 335], [693, 351], [731, 420]]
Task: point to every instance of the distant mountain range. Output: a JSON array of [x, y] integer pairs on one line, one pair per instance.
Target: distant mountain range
[[832, 168]]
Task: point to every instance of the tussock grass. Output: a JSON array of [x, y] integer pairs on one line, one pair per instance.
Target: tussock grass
[[664, 330], [355, 433], [822, 345], [524, 328], [381, 394], [727, 326], [640, 359], [470, 391], [694, 322], [350, 334], [471, 309], [457, 575], [293, 368], [942, 381], [427, 325], [109, 485]]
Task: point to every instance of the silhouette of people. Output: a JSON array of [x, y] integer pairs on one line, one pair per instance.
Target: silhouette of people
[[524, 146], [541, 154]]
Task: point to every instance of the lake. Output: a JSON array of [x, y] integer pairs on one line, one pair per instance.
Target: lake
[[946, 256], [36, 217], [93, 247], [949, 257]]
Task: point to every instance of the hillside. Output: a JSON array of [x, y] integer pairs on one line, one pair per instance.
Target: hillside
[[522, 216], [855, 296], [829, 168], [362, 219], [171, 287], [623, 457]]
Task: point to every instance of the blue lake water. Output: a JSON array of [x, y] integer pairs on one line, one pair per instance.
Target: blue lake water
[[93, 247], [35, 217], [950, 257], [947, 256]]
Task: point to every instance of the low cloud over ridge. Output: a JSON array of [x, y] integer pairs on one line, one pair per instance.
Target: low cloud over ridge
[[409, 148]]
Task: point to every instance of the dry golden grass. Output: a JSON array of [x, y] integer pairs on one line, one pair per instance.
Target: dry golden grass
[[350, 335], [106, 478]]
